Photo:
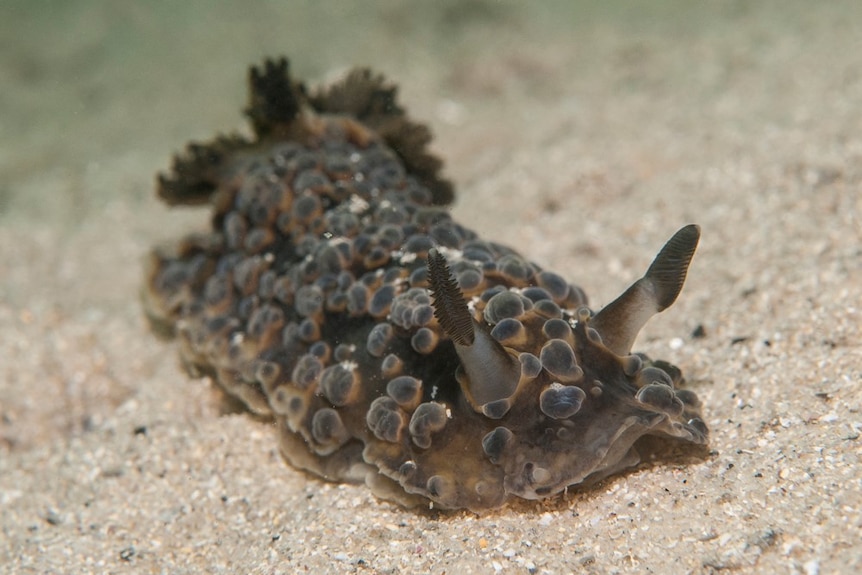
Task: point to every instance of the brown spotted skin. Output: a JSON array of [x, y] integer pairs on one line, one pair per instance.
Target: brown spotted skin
[[308, 299]]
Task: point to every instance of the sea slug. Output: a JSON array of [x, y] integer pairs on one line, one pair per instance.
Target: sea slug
[[391, 345]]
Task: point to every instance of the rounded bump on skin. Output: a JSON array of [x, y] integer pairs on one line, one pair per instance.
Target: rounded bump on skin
[[247, 306], [554, 284], [267, 373], [311, 180], [390, 235], [235, 228], [689, 398], [328, 429], [236, 350], [342, 224], [494, 443], [422, 315], [539, 475], [307, 371], [338, 384], [509, 332], [632, 364], [309, 330], [266, 289], [213, 339], [394, 276], [290, 403], [699, 426], [391, 366], [357, 299], [531, 365], [320, 350], [424, 341], [673, 371], [405, 390], [418, 278], [283, 290], [331, 259], [469, 280], [496, 409], [247, 274], [504, 305], [514, 268], [575, 299], [440, 487], [536, 294], [661, 397], [218, 293], [558, 359], [308, 300], [491, 292], [427, 419], [306, 207], [385, 419], [258, 239], [381, 301], [561, 401], [558, 329], [344, 351], [548, 309], [583, 314], [407, 469], [419, 244], [401, 312], [379, 338], [386, 276], [653, 375]]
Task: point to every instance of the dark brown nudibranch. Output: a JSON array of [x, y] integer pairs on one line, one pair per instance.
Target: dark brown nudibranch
[[334, 293]]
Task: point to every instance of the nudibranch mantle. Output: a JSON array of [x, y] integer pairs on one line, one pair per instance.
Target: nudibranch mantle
[[390, 344]]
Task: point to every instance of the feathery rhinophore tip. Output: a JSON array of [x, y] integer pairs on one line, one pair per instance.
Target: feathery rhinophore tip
[[450, 309], [619, 322], [670, 266]]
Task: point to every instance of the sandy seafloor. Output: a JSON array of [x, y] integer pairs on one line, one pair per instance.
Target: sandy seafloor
[[584, 133]]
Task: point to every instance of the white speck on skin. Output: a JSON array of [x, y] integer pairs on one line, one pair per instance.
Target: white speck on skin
[[357, 204]]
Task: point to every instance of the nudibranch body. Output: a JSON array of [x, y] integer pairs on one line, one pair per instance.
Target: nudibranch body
[[391, 345]]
